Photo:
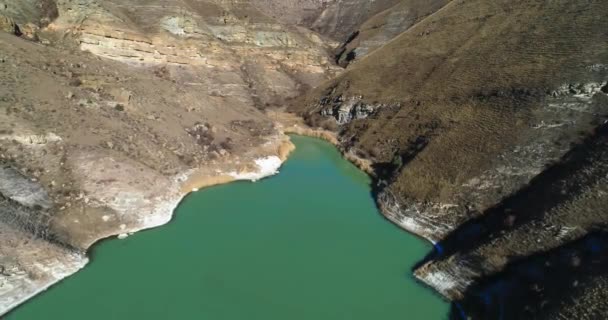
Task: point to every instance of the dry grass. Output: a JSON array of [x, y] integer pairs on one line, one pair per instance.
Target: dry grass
[[474, 82], [469, 77]]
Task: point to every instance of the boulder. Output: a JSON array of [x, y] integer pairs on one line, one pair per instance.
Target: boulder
[[29, 31]]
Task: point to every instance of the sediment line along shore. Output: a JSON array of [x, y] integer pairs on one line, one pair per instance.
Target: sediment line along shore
[[387, 204], [153, 211]]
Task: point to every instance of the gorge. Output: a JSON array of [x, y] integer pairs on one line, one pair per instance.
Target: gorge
[[307, 243], [483, 125]]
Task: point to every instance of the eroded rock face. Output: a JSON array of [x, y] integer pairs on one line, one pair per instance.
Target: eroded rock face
[[217, 42], [31, 259], [347, 110]]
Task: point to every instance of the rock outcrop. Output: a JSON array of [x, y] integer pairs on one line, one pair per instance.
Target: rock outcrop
[[346, 111]]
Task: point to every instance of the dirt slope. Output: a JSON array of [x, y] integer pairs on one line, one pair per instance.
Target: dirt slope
[[110, 111], [486, 124], [483, 121], [336, 19], [384, 26]]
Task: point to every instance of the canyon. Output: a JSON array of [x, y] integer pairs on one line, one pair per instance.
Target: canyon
[[249, 245], [484, 125]]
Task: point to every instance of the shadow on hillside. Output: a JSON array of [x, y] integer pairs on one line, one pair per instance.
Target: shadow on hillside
[[555, 185], [534, 286]]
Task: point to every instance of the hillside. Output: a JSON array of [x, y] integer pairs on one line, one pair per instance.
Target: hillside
[[486, 124], [335, 19], [384, 26], [111, 111]]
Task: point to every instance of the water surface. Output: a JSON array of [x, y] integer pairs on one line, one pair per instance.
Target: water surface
[[308, 243]]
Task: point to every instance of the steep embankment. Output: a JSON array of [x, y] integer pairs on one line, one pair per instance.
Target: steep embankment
[[91, 148], [110, 111], [486, 126]]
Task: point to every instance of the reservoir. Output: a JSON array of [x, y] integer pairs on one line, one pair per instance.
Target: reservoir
[[307, 244]]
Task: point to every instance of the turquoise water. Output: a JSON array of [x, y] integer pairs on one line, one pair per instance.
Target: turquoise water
[[308, 243]]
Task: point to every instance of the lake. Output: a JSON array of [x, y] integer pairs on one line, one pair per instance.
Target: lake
[[308, 243]]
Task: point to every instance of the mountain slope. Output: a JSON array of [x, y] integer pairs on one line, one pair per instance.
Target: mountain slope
[[485, 124], [384, 26], [111, 111], [336, 19]]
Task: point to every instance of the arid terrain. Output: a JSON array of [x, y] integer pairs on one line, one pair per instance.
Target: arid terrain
[[486, 122], [483, 123], [112, 111]]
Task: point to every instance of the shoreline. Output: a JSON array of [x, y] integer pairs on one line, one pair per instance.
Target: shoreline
[[193, 182], [293, 124], [196, 180]]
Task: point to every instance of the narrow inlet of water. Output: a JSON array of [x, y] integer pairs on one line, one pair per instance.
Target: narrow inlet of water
[[307, 244]]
